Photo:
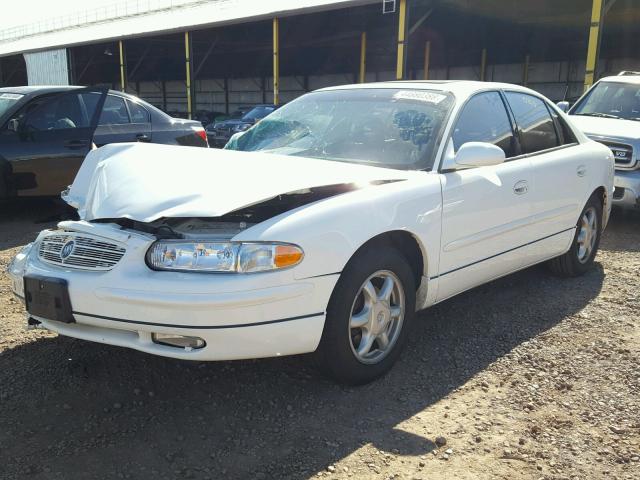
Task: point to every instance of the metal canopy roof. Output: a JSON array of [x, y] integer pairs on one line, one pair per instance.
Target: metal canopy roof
[[186, 16]]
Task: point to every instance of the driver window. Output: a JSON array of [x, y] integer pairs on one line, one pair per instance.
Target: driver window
[[484, 119], [60, 113]]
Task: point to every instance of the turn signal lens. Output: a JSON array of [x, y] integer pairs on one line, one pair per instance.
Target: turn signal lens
[[287, 256], [260, 257]]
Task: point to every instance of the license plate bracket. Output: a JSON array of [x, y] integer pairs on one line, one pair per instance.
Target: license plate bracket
[[48, 298]]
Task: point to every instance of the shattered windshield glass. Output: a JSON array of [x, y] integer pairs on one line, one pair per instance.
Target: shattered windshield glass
[[386, 127]]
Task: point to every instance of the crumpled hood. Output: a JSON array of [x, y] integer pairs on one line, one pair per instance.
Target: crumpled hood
[[145, 182], [607, 127]]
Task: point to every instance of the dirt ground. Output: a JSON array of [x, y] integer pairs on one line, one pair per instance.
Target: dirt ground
[[529, 377]]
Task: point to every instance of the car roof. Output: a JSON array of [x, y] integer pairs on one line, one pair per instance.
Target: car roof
[[634, 79], [457, 87], [43, 89], [27, 90]]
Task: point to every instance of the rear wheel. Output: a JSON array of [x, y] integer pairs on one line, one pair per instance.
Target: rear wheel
[[585, 244], [368, 316]]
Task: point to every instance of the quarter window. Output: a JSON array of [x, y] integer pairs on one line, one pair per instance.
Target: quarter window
[[565, 135], [536, 128], [484, 119]]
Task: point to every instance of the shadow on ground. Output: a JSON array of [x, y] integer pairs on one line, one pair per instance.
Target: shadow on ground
[[80, 410], [22, 219]]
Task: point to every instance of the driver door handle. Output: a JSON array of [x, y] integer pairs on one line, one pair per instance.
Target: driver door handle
[[521, 187], [73, 144]]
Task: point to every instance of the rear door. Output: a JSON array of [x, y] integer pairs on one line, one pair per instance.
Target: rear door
[[52, 139], [122, 120], [560, 171], [486, 210]]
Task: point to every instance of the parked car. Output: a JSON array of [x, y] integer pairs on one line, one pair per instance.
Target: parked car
[[206, 117], [46, 132], [344, 212], [219, 133], [609, 112]]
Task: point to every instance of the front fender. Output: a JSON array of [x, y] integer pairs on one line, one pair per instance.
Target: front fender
[[331, 230]]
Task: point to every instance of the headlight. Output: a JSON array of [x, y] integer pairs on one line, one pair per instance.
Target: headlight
[[189, 256], [242, 127]]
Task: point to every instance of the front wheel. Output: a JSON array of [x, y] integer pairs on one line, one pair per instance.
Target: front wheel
[[368, 316], [585, 244]]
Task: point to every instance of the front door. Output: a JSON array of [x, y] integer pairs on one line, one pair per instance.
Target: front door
[[486, 210], [51, 141]]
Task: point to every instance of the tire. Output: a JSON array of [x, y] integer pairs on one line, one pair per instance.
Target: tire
[[4, 181], [337, 354], [579, 259]]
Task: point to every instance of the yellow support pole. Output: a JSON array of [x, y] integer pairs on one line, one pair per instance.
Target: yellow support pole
[[187, 56], [483, 65], [594, 43], [525, 70], [276, 61], [402, 31], [123, 77], [427, 59], [363, 56]]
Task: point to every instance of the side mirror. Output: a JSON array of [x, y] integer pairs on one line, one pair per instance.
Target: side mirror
[[564, 106], [479, 154], [13, 125]]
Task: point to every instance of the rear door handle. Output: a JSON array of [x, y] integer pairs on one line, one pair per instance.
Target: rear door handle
[[521, 187], [142, 137], [73, 144]]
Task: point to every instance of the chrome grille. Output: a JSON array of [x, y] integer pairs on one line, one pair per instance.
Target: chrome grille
[[622, 154], [80, 251]]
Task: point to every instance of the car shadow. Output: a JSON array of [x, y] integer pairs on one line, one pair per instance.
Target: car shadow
[[22, 219], [92, 411]]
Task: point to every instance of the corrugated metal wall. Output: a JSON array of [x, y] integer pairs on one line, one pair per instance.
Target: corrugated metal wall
[[47, 68]]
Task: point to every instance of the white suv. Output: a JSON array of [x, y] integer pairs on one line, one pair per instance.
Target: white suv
[[609, 112]]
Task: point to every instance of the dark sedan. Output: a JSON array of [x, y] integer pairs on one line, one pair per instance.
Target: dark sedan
[[45, 133], [219, 133]]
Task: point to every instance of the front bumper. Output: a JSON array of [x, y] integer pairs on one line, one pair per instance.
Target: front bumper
[[627, 189], [218, 140], [239, 316]]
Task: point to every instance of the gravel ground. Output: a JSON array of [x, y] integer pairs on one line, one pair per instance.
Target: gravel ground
[[527, 377]]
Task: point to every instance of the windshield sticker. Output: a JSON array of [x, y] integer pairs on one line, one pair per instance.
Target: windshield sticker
[[10, 96], [428, 97]]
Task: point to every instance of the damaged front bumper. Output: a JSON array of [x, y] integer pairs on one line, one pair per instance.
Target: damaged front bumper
[[237, 316]]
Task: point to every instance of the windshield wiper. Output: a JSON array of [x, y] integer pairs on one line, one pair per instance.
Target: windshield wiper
[[595, 114]]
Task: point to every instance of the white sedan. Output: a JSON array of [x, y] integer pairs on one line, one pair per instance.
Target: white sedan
[[324, 227]]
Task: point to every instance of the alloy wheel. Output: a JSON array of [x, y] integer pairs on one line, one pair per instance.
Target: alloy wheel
[[376, 317], [587, 235]]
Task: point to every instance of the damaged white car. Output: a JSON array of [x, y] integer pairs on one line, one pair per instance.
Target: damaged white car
[[332, 222]]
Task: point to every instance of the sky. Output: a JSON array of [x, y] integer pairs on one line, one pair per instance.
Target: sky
[[42, 9]]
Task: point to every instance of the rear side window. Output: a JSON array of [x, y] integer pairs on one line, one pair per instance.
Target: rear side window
[[138, 113], [114, 111], [484, 119], [536, 127]]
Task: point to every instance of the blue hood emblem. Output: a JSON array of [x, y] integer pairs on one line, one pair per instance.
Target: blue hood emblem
[[67, 249]]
